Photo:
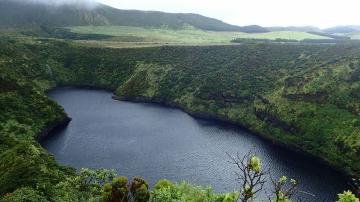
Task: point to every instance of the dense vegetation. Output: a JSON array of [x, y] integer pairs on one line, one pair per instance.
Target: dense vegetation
[[59, 33], [303, 96], [18, 13], [26, 113], [27, 171]]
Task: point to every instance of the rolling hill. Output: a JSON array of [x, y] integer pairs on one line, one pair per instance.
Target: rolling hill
[[295, 28], [342, 29], [20, 13]]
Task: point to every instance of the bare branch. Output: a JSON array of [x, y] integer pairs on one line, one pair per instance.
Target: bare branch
[[251, 179]]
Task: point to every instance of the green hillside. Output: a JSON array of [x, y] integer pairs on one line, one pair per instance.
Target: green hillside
[[305, 97], [105, 26], [187, 36], [124, 36], [302, 95], [18, 13]]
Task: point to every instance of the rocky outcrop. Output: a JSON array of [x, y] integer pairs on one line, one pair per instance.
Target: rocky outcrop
[[46, 131]]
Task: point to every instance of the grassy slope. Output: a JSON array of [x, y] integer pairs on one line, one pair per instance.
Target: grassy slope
[[355, 36], [187, 36]]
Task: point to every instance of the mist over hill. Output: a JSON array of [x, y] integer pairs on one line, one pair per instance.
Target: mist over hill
[[83, 3], [57, 13]]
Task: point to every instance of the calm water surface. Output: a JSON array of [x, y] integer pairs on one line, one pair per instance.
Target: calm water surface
[[156, 142]]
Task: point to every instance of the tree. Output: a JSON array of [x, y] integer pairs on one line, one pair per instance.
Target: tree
[[347, 196], [139, 190], [281, 193], [250, 176], [24, 194], [121, 191]]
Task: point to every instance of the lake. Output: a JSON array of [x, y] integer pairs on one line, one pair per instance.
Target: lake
[[157, 142]]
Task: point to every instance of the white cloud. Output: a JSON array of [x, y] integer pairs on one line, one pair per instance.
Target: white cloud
[[89, 3], [322, 13]]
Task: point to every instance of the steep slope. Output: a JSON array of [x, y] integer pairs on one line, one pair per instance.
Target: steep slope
[[18, 13], [303, 96], [27, 114]]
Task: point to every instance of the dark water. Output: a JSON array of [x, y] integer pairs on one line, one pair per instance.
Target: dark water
[[158, 142]]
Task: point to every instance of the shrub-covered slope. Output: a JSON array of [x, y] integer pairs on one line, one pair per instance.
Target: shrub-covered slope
[[304, 96], [25, 114]]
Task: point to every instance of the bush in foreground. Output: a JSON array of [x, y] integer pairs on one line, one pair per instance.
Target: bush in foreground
[[165, 191], [347, 196]]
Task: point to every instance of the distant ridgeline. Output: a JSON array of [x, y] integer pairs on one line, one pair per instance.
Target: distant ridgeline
[[49, 20], [332, 40], [21, 13]]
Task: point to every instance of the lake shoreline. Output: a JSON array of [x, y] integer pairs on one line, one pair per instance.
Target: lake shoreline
[[351, 181], [52, 127], [353, 184]]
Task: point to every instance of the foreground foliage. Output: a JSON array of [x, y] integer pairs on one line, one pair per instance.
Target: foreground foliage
[[347, 196], [185, 192]]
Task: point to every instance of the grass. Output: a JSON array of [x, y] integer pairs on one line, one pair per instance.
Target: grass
[[355, 35], [183, 36]]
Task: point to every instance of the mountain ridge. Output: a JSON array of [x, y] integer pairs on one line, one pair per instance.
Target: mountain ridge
[[24, 13]]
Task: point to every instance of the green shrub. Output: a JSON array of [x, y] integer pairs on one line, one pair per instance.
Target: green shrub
[[106, 194], [139, 190], [164, 183], [347, 196], [24, 194], [121, 190], [189, 193]]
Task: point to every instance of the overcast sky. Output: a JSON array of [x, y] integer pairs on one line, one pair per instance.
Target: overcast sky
[[321, 13]]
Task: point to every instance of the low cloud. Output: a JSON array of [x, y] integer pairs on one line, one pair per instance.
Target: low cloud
[[82, 3]]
